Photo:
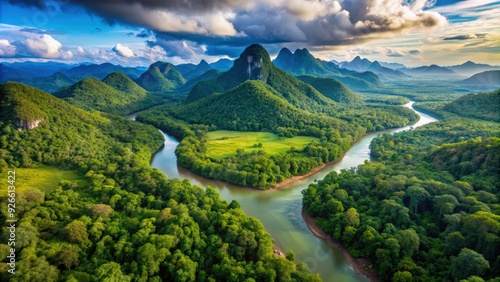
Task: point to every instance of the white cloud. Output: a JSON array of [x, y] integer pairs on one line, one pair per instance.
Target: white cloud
[[123, 51], [6, 49], [80, 50], [155, 53], [43, 46], [214, 23], [18, 44]]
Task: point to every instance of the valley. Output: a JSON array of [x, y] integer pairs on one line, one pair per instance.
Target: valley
[[222, 144]]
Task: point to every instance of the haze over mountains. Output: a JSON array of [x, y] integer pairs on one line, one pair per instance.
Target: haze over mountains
[[360, 74], [393, 70], [303, 63]]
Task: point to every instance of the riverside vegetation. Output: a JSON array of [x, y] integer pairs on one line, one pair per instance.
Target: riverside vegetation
[[120, 220], [428, 209]]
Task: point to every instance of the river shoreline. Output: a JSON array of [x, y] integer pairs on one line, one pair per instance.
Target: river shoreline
[[299, 177], [359, 265]]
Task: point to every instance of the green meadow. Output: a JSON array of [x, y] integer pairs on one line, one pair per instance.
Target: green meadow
[[43, 178], [223, 143]]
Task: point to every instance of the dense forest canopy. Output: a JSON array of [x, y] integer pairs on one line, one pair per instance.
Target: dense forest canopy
[[124, 221], [428, 208]]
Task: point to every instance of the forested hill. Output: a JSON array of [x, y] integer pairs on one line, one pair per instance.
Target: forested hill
[[486, 79], [161, 77], [484, 106], [122, 220], [332, 89], [116, 93], [242, 108]]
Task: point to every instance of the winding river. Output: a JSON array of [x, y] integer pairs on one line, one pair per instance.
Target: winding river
[[280, 209]]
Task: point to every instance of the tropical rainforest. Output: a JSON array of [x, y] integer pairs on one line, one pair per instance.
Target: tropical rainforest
[[427, 208], [120, 220]]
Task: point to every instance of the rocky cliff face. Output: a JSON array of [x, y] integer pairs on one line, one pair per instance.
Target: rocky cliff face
[[28, 125], [254, 68]]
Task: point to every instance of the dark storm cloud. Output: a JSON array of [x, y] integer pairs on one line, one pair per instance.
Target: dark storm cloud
[[192, 5], [144, 33], [218, 24]]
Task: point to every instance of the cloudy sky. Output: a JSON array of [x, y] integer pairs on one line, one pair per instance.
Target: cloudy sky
[[133, 32]]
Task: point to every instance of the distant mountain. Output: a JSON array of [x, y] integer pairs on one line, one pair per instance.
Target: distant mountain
[[432, 71], [24, 70], [357, 64], [384, 73], [393, 66], [48, 84], [210, 74], [161, 77], [482, 106], [222, 64], [304, 63], [185, 68], [100, 71], [121, 82], [117, 94], [332, 89], [485, 80], [199, 69], [255, 64], [470, 68]]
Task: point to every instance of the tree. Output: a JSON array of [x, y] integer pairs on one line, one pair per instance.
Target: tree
[[68, 256], [402, 276], [352, 217], [417, 195], [102, 210], [110, 272], [290, 255], [468, 263], [444, 204], [455, 241], [76, 231], [409, 241]]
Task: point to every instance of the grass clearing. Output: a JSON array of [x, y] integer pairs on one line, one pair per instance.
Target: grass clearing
[[222, 143], [43, 178]]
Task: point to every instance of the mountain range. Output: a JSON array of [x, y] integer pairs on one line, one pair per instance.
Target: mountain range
[[387, 71], [470, 68], [304, 63], [116, 93], [255, 64], [50, 84]]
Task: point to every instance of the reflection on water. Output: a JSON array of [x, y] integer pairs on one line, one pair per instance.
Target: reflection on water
[[280, 209]]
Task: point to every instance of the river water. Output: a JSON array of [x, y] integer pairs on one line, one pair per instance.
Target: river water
[[280, 209]]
